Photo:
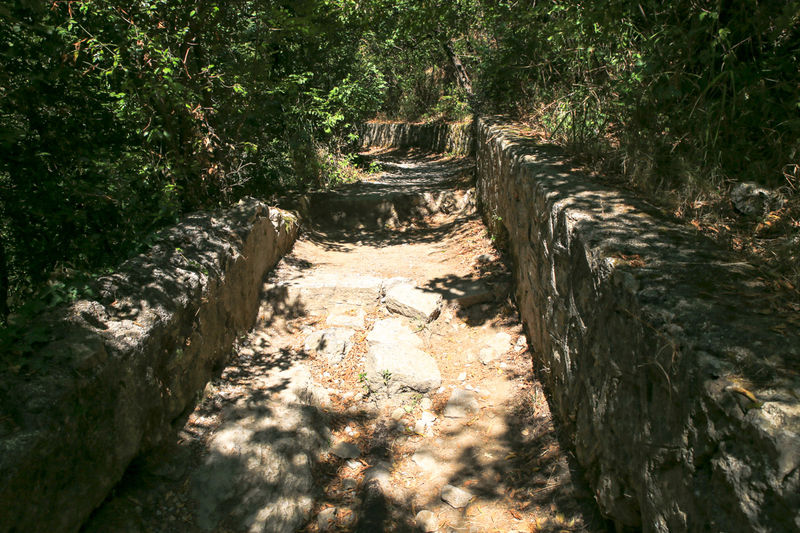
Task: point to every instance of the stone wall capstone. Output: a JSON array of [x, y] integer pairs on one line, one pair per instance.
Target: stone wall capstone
[[670, 367], [120, 368]]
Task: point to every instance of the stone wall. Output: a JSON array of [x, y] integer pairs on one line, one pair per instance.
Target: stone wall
[[119, 369], [671, 366], [455, 138]]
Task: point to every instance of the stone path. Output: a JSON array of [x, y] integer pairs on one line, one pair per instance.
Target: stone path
[[386, 387]]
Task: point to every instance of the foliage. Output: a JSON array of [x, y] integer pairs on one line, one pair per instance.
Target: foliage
[[687, 94], [116, 119]]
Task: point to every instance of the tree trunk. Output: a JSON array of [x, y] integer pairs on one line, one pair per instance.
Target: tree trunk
[[3, 283], [461, 73]]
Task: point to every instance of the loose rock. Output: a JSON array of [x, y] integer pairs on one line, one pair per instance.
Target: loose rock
[[427, 521], [751, 199], [410, 301], [462, 403], [455, 496]]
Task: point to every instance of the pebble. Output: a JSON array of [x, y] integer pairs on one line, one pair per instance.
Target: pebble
[[455, 496], [353, 464], [426, 404], [440, 390], [349, 483], [462, 376], [426, 521], [398, 413]]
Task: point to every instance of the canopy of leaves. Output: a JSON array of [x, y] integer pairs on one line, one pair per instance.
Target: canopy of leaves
[[115, 118]]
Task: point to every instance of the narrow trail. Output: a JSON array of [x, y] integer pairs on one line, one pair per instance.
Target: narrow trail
[[387, 386]]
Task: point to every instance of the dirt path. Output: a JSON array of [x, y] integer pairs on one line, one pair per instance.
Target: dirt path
[[300, 433]]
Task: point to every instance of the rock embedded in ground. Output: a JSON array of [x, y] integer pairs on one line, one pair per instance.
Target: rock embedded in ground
[[326, 519], [426, 521], [425, 459], [346, 316], [462, 403], [466, 293], [455, 496], [393, 369], [333, 343], [413, 302], [392, 331], [345, 450], [319, 291], [495, 347]]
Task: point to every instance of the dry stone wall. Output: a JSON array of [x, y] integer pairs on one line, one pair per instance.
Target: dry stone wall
[[120, 368], [672, 370], [455, 138]]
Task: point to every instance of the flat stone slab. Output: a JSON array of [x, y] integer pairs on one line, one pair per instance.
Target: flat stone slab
[[346, 316], [393, 331], [495, 347], [398, 368], [462, 403], [333, 343], [316, 291], [407, 300], [455, 496]]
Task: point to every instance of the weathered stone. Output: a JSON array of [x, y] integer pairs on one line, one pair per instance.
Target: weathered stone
[[462, 403], [456, 138], [401, 368], [426, 521], [456, 496], [319, 291], [494, 347], [408, 300], [426, 460], [345, 450], [752, 199], [333, 343], [346, 316], [392, 331], [651, 359], [257, 472], [157, 329], [326, 519]]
